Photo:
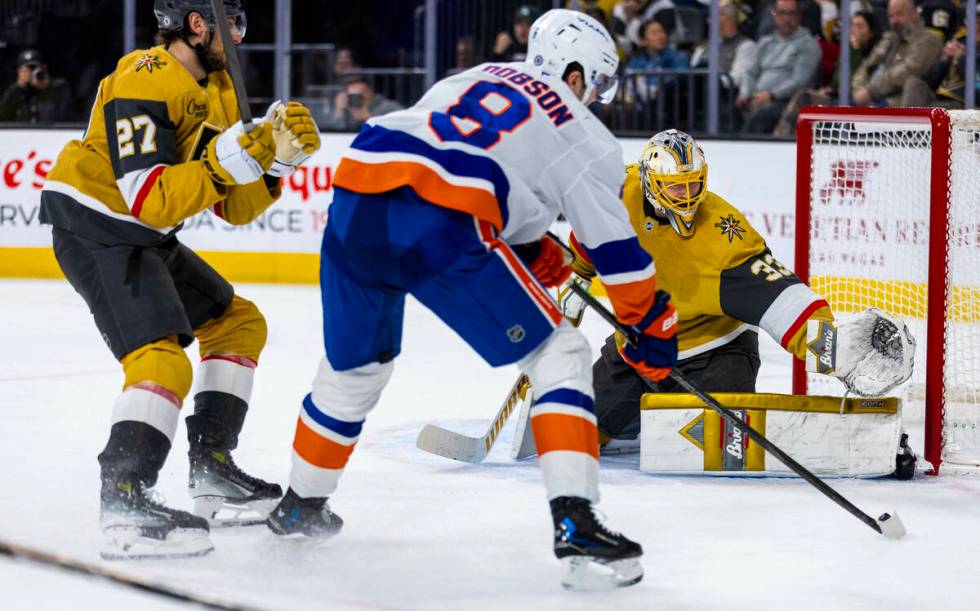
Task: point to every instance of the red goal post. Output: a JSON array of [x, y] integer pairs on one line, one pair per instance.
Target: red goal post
[[876, 191]]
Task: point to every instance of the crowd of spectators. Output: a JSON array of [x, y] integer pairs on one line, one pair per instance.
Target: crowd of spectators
[[775, 56], [779, 55]]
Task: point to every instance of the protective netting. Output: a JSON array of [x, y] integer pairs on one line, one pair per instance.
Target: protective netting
[[869, 247]]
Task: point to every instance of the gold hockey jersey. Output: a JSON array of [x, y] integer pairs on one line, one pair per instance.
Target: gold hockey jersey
[[723, 280], [136, 174]]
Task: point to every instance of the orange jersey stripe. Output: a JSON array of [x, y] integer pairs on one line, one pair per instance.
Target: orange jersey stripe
[[382, 177], [320, 451], [556, 432], [531, 285], [631, 301]]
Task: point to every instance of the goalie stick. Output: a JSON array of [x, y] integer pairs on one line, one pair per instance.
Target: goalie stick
[[889, 525]]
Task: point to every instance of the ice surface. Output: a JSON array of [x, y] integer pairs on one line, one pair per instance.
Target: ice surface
[[426, 533]]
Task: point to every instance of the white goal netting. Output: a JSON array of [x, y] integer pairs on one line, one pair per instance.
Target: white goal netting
[[869, 243]]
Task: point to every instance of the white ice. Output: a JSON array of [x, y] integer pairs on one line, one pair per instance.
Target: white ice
[[426, 533]]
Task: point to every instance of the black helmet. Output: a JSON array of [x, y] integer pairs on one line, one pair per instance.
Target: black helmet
[[172, 14]]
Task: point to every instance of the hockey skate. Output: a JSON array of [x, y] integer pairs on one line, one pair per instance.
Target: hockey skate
[[135, 525], [592, 557], [304, 516], [225, 495]]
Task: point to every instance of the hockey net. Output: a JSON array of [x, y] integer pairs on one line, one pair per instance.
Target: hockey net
[[888, 216]]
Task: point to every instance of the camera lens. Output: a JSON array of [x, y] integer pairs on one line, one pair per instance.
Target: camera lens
[[39, 74]]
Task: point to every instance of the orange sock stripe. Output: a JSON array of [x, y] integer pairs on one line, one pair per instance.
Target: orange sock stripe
[[320, 451], [561, 432]]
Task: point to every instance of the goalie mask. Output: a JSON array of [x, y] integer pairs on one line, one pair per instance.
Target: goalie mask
[[674, 176], [561, 37]]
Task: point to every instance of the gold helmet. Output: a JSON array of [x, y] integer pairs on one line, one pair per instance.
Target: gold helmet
[[674, 175]]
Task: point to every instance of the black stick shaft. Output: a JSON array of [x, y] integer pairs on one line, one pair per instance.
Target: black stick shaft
[[234, 67], [759, 438], [20, 552]]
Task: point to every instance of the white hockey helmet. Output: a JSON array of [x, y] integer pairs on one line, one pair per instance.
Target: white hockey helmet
[[674, 175], [560, 37]]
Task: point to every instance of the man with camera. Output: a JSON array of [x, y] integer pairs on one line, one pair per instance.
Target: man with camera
[[357, 103], [35, 97]]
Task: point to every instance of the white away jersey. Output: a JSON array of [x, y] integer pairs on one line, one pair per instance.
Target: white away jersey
[[512, 147]]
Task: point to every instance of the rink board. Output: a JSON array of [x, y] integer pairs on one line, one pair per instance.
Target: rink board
[[283, 244]]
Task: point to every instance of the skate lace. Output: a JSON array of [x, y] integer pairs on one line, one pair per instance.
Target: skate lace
[[599, 517], [230, 463]]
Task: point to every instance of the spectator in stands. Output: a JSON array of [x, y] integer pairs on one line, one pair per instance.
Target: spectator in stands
[[357, 103], [948, 74], [465, 54], [343, 64], [35, 97], [785, 64], [736, 51], [865, 34], [627, 16], [892, 74], [765, 23], [513, 47], [941, 16], [654, 54]]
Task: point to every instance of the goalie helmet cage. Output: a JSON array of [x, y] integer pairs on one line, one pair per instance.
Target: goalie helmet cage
[[888, 216]]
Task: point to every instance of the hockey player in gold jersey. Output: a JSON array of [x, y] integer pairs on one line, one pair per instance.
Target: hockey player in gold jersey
[[722, 278], [164, 142]]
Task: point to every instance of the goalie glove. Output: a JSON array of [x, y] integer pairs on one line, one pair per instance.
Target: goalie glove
[[296, 135], [871, 354], [548, 260]]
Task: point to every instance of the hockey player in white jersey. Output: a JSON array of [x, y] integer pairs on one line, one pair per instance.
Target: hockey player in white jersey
[[450, 200]]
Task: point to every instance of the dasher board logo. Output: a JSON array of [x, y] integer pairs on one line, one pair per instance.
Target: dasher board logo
[[848, 178], [150, 62]]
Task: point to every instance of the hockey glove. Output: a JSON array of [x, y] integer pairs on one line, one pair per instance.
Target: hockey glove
[[655, 352], [238, 158], [548, 260], [871, 354], [297, 136]]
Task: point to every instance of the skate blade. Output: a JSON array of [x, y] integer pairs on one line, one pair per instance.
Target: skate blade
[[222, 512], [126, 543], [590, 574]]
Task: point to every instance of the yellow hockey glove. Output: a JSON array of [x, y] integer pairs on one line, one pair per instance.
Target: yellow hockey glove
[[297, 136], [238, 158]]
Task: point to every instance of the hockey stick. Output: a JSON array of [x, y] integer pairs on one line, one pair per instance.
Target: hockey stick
[[20, 552], [889, 525], [436, 440], [234, 67]]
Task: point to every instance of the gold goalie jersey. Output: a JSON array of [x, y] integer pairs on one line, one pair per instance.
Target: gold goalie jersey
[[723, 280], [136, 174]]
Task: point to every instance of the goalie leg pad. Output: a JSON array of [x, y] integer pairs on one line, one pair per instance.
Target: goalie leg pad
[[562, 413]]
